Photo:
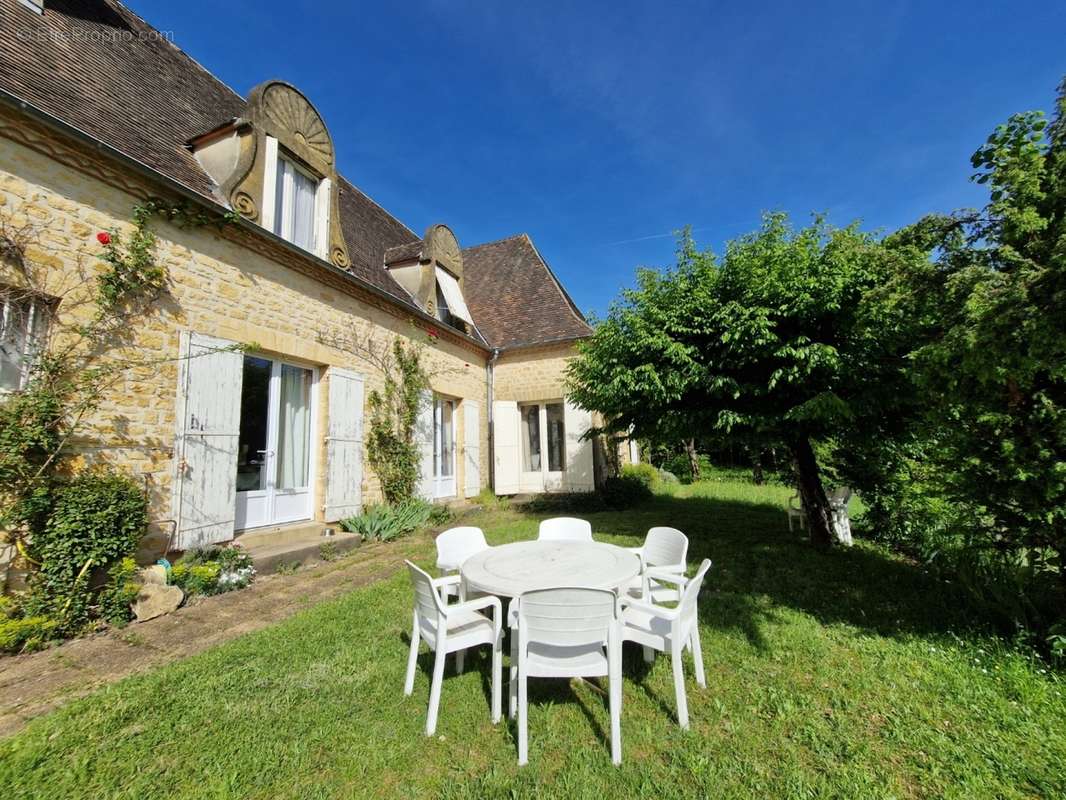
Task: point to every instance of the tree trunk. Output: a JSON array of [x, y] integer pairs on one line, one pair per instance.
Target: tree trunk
[[693, 459], [812, 493]]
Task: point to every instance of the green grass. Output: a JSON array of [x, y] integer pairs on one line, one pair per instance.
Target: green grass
[[843, 674]]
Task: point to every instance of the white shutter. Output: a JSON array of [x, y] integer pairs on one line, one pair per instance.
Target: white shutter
[[505, 426], [208, 427], [424, 440], [472, 446], [579, 475], [344, 445]]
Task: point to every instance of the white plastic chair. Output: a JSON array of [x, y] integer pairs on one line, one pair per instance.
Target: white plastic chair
[[566, 633], [670, 630], [565, 529], [664, 550], [795, 511], [456, 545], [451, 629]]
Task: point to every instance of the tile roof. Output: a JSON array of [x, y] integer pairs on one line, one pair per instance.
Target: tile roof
[[514, 296], [98, 67]]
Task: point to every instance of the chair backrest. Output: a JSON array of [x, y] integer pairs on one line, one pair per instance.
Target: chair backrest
[[427, 600], [456, 545], [565, 529], [665, 546], [691, 593], [567, 617]]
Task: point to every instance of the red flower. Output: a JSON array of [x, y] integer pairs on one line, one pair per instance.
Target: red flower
[[104, 238], [432, 333]]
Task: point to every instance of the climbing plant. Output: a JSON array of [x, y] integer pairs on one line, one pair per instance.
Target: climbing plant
[[391, 447], [74, 359]]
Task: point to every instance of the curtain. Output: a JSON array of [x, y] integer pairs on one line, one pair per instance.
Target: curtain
[[303, 228], [531, 440], [294, 446]]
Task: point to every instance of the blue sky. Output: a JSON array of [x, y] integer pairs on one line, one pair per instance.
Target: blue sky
[[600, 128]]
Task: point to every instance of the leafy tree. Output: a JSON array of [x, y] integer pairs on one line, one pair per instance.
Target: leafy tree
[[990, 354], [773, 341]]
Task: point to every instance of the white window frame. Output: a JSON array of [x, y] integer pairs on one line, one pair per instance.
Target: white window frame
[[542, 425], [270, 211], [35, 334]]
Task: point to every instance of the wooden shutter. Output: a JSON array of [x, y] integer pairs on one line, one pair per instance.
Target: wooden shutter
[[505, 424], [208, 420], [424, 439], [472, 447], [579, 474], [344, 445]]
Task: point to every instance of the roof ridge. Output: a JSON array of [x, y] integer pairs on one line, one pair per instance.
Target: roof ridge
[[497, 241]]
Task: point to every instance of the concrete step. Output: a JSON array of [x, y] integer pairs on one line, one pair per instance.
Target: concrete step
[[289, 547]]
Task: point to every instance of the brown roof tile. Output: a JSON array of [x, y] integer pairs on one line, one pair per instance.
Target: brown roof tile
[[98, 67], [514, 296]]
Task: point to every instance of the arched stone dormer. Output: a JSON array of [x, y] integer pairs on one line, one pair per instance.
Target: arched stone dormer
[[281, 142], [417, 267]]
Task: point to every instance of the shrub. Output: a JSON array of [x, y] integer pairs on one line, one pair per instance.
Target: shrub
[[623, 491], [28, 633], [645, 473], [668, 477], [213, 570], [96, 519], [120, 592], [384, 522]]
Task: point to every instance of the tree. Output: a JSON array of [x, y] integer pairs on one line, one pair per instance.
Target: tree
[[772, 342], [991, 363]]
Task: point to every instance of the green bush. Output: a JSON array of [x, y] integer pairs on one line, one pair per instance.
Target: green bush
[[384, 522], [28, 633], [96, 520], [212, 570], [645, 473], [624, 491], [120, 592]]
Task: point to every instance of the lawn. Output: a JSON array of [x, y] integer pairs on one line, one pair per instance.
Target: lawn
[[843, 674]]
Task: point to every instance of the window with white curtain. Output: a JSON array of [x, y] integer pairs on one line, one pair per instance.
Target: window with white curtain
[[294, 204], [22, 331]]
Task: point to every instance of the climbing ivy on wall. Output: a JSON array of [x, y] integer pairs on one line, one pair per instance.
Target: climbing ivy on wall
[[391, 446], [68, 371]]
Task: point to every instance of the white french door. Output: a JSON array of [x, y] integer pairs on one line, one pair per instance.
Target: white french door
[[274, 457], [443, 447]]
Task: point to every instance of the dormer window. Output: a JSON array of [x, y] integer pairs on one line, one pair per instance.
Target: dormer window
[[444, 314], [451, 308], [295, 204]]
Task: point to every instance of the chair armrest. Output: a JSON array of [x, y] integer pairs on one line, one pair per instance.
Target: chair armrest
[[649, 608], [637, 551], [447, 580], [669, 574], [488, 601]]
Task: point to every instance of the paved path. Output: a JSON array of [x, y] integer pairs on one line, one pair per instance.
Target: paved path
[[34, 684]]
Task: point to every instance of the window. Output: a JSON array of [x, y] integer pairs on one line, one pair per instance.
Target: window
[[25, 321], [530, 438], [294, 205], [556, 438], [542, 425], [444, 313]]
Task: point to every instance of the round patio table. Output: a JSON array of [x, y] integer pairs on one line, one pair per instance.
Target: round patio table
[[511, 569]]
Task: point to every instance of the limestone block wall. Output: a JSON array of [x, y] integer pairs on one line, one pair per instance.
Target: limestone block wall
[[217, 287], [532, 373]]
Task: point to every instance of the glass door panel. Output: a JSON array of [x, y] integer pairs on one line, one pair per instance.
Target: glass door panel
[[274, 451], [444, 447]]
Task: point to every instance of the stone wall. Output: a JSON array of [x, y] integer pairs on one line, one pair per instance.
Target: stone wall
[[217, 287], [533, 373]]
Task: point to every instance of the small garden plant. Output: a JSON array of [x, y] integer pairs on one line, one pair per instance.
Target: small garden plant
[[213, 570], [385, 522]]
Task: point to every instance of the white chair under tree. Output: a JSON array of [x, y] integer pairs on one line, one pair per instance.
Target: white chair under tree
[[565, 529], [670, 630], [566, 633], [451, 629], [664, 551]]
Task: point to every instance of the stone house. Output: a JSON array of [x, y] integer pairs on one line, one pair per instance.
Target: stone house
[[98, 111]]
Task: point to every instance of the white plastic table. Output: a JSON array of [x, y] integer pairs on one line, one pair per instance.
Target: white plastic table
[[511, 569]]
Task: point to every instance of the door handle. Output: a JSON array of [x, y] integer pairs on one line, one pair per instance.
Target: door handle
[[265, 452]]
